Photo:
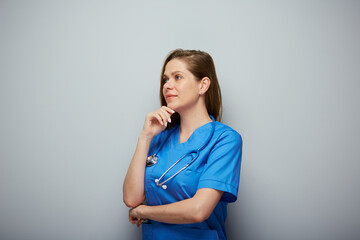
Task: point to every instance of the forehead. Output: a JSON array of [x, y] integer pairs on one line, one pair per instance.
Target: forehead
[[175, 65]]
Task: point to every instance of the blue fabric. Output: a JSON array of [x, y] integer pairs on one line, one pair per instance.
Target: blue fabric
[[161, 231], [217, 167]]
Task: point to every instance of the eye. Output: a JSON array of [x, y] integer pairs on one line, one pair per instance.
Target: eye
[[165, 80], [177, 77]]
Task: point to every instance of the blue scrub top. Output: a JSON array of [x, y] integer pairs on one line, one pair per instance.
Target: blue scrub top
[[217, 167]]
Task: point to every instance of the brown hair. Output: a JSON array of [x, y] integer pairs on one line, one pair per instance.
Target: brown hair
[[201, 65]]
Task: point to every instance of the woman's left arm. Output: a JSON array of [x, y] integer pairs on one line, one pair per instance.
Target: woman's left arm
[[193, 210]]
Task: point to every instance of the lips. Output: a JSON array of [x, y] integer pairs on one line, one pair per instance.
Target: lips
[[170, 96]]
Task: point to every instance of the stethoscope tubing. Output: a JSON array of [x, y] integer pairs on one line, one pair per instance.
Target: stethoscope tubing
[[196, 151]]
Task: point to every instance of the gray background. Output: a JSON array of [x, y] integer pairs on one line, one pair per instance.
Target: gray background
[[78, 77]]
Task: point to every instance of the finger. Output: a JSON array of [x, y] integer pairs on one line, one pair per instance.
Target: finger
[[165, 116], [169, 110], [159, 118], [132, 220], [153, 116], [139, 222]]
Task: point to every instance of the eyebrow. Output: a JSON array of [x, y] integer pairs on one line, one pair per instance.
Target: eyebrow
[[173, 73]]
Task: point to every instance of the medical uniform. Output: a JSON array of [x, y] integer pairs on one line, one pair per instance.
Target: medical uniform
[[217, 167]]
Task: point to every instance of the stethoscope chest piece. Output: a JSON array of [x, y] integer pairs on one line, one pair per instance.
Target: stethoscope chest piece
[[151, 160]]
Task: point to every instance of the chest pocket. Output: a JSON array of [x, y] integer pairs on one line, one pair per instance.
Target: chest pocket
[[188, 181], [191, 175]]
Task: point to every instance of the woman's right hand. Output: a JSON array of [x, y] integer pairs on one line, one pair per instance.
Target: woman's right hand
[[156, 121]]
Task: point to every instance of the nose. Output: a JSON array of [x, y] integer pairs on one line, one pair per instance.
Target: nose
[[168, 84]]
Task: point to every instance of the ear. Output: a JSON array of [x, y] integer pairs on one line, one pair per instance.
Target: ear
[[204, 85]]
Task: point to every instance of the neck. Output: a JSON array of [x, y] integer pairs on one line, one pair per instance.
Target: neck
[[192, 119]]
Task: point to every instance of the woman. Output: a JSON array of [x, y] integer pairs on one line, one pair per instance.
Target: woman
[[186, 165]]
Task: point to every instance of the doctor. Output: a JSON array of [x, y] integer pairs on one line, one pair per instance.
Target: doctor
[[186, 164]]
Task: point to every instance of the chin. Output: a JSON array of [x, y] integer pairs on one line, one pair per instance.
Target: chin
[[173, 108]]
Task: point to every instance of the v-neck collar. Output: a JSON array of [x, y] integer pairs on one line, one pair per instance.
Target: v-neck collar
[[195, 140]]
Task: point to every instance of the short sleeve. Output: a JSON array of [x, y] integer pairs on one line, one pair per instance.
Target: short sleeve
[[222, 169]]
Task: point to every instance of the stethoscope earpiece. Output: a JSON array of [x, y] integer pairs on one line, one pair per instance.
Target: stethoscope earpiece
[[160, 184]]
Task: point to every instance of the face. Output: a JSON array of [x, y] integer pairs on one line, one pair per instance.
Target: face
[[180, 89]]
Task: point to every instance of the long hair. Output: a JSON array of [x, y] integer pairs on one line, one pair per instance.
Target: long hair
[[201, 65]]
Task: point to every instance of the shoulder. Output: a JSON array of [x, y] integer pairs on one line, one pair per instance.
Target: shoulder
[[226, 145], [225, 133]]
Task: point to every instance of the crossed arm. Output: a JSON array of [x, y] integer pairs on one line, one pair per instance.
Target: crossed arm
[[193, 210]]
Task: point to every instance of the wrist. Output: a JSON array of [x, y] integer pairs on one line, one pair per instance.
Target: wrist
[[142, 211], [145, 138]]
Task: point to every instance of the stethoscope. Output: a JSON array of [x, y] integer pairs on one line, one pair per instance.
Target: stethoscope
[[153, 159]]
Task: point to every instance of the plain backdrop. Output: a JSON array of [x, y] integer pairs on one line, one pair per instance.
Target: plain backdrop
[[78, 77]]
